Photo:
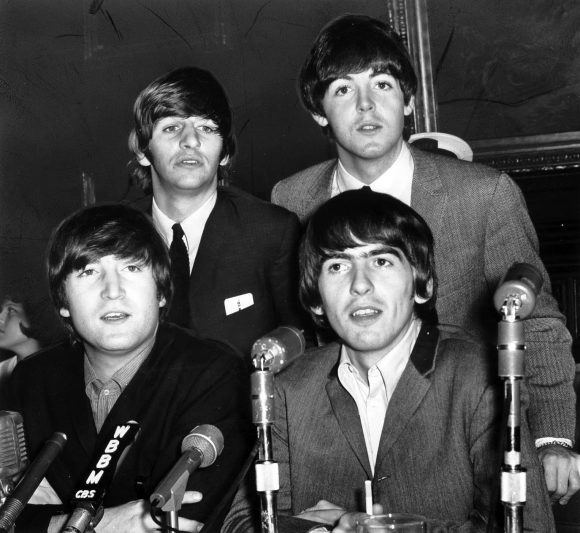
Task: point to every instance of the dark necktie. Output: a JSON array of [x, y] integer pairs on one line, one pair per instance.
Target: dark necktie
[[179, 310]]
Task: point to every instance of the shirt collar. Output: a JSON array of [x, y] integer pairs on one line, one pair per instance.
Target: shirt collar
[[190, 225], [392, 364], [121, 377], [396, 180]]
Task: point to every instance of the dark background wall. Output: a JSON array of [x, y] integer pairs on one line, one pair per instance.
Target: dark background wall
[[506, 69], [71, 70]]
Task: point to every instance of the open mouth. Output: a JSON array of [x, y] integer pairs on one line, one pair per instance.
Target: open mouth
[[366, 312], [189, 160], [369, 127], [114, 316]]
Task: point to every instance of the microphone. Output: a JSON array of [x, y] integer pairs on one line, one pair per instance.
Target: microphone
[[519, 286], [200, 448], [270, 354], [277, 348], [15, 503], [13, 457], [89, 497]]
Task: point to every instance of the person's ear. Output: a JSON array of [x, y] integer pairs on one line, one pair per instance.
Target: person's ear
[[162, 301], [317, 310], [429, 290], [408, 109], [135, 148], [320, 120], [142, 159], [64, 312], [225, 160]]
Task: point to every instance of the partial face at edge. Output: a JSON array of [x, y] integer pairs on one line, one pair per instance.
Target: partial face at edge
[[12, 315]]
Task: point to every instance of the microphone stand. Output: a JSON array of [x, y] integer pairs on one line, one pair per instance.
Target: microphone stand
[[267, 477], [173, 503], [515, 299], [171, 509], [511, 347], [269, 355]]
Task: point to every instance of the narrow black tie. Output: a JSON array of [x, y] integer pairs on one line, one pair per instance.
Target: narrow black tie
[[179, 311]]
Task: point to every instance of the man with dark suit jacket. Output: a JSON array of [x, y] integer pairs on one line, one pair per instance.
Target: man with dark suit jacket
[[397, 400], [110, 281], [358, 83], [234, 258]]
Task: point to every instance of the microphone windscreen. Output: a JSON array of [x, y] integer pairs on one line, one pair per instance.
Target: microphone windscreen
[[13, 456], [206, 438], [522, 281], [277, 348]]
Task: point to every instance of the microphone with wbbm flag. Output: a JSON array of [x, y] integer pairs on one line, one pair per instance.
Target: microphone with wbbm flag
[[200, 448], [88, 499], [30, 481], [13, 457]]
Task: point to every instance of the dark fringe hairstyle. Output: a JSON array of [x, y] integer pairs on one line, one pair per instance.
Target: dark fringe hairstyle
[[98, 231], [184, 92], [364, 216]]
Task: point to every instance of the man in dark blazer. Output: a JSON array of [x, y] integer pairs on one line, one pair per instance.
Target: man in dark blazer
[[413, 407], [358, 83], [241, 251], [110, 280]]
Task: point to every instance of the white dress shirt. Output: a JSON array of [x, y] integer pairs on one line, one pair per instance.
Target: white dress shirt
[[397, 180], [372, 399], [192, 226], [6, 368]]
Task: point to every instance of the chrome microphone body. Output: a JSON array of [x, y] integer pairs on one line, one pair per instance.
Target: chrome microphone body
[[15, 503], [269, 355], [13, 456], [515, 299], [200, 448]]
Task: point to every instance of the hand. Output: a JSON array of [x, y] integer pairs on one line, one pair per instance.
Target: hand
[[134, 516], [561, 472], [348, 521], [323, 512]]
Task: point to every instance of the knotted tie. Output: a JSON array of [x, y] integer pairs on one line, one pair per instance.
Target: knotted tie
[[179, 311]]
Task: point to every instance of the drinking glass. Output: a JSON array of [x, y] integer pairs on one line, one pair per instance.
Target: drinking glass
[[385, 523]]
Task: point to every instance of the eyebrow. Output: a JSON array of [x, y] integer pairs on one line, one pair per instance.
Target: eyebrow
[[373, 74], [184, 117], [371, 253], [382, 70]]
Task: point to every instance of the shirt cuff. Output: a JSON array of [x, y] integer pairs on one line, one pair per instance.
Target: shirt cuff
[[545, 441]]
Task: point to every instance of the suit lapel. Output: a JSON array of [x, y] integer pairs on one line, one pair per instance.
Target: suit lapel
[[77, 423], [321, 186], [209, 251], [139, 392], [80, 413], [428, 195], [410, 390], [346, 413]]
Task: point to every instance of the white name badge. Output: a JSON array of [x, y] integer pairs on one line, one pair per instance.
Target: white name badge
[[237, 303]]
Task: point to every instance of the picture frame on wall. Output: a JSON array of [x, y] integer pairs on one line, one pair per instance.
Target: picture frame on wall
[[504, 76]]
